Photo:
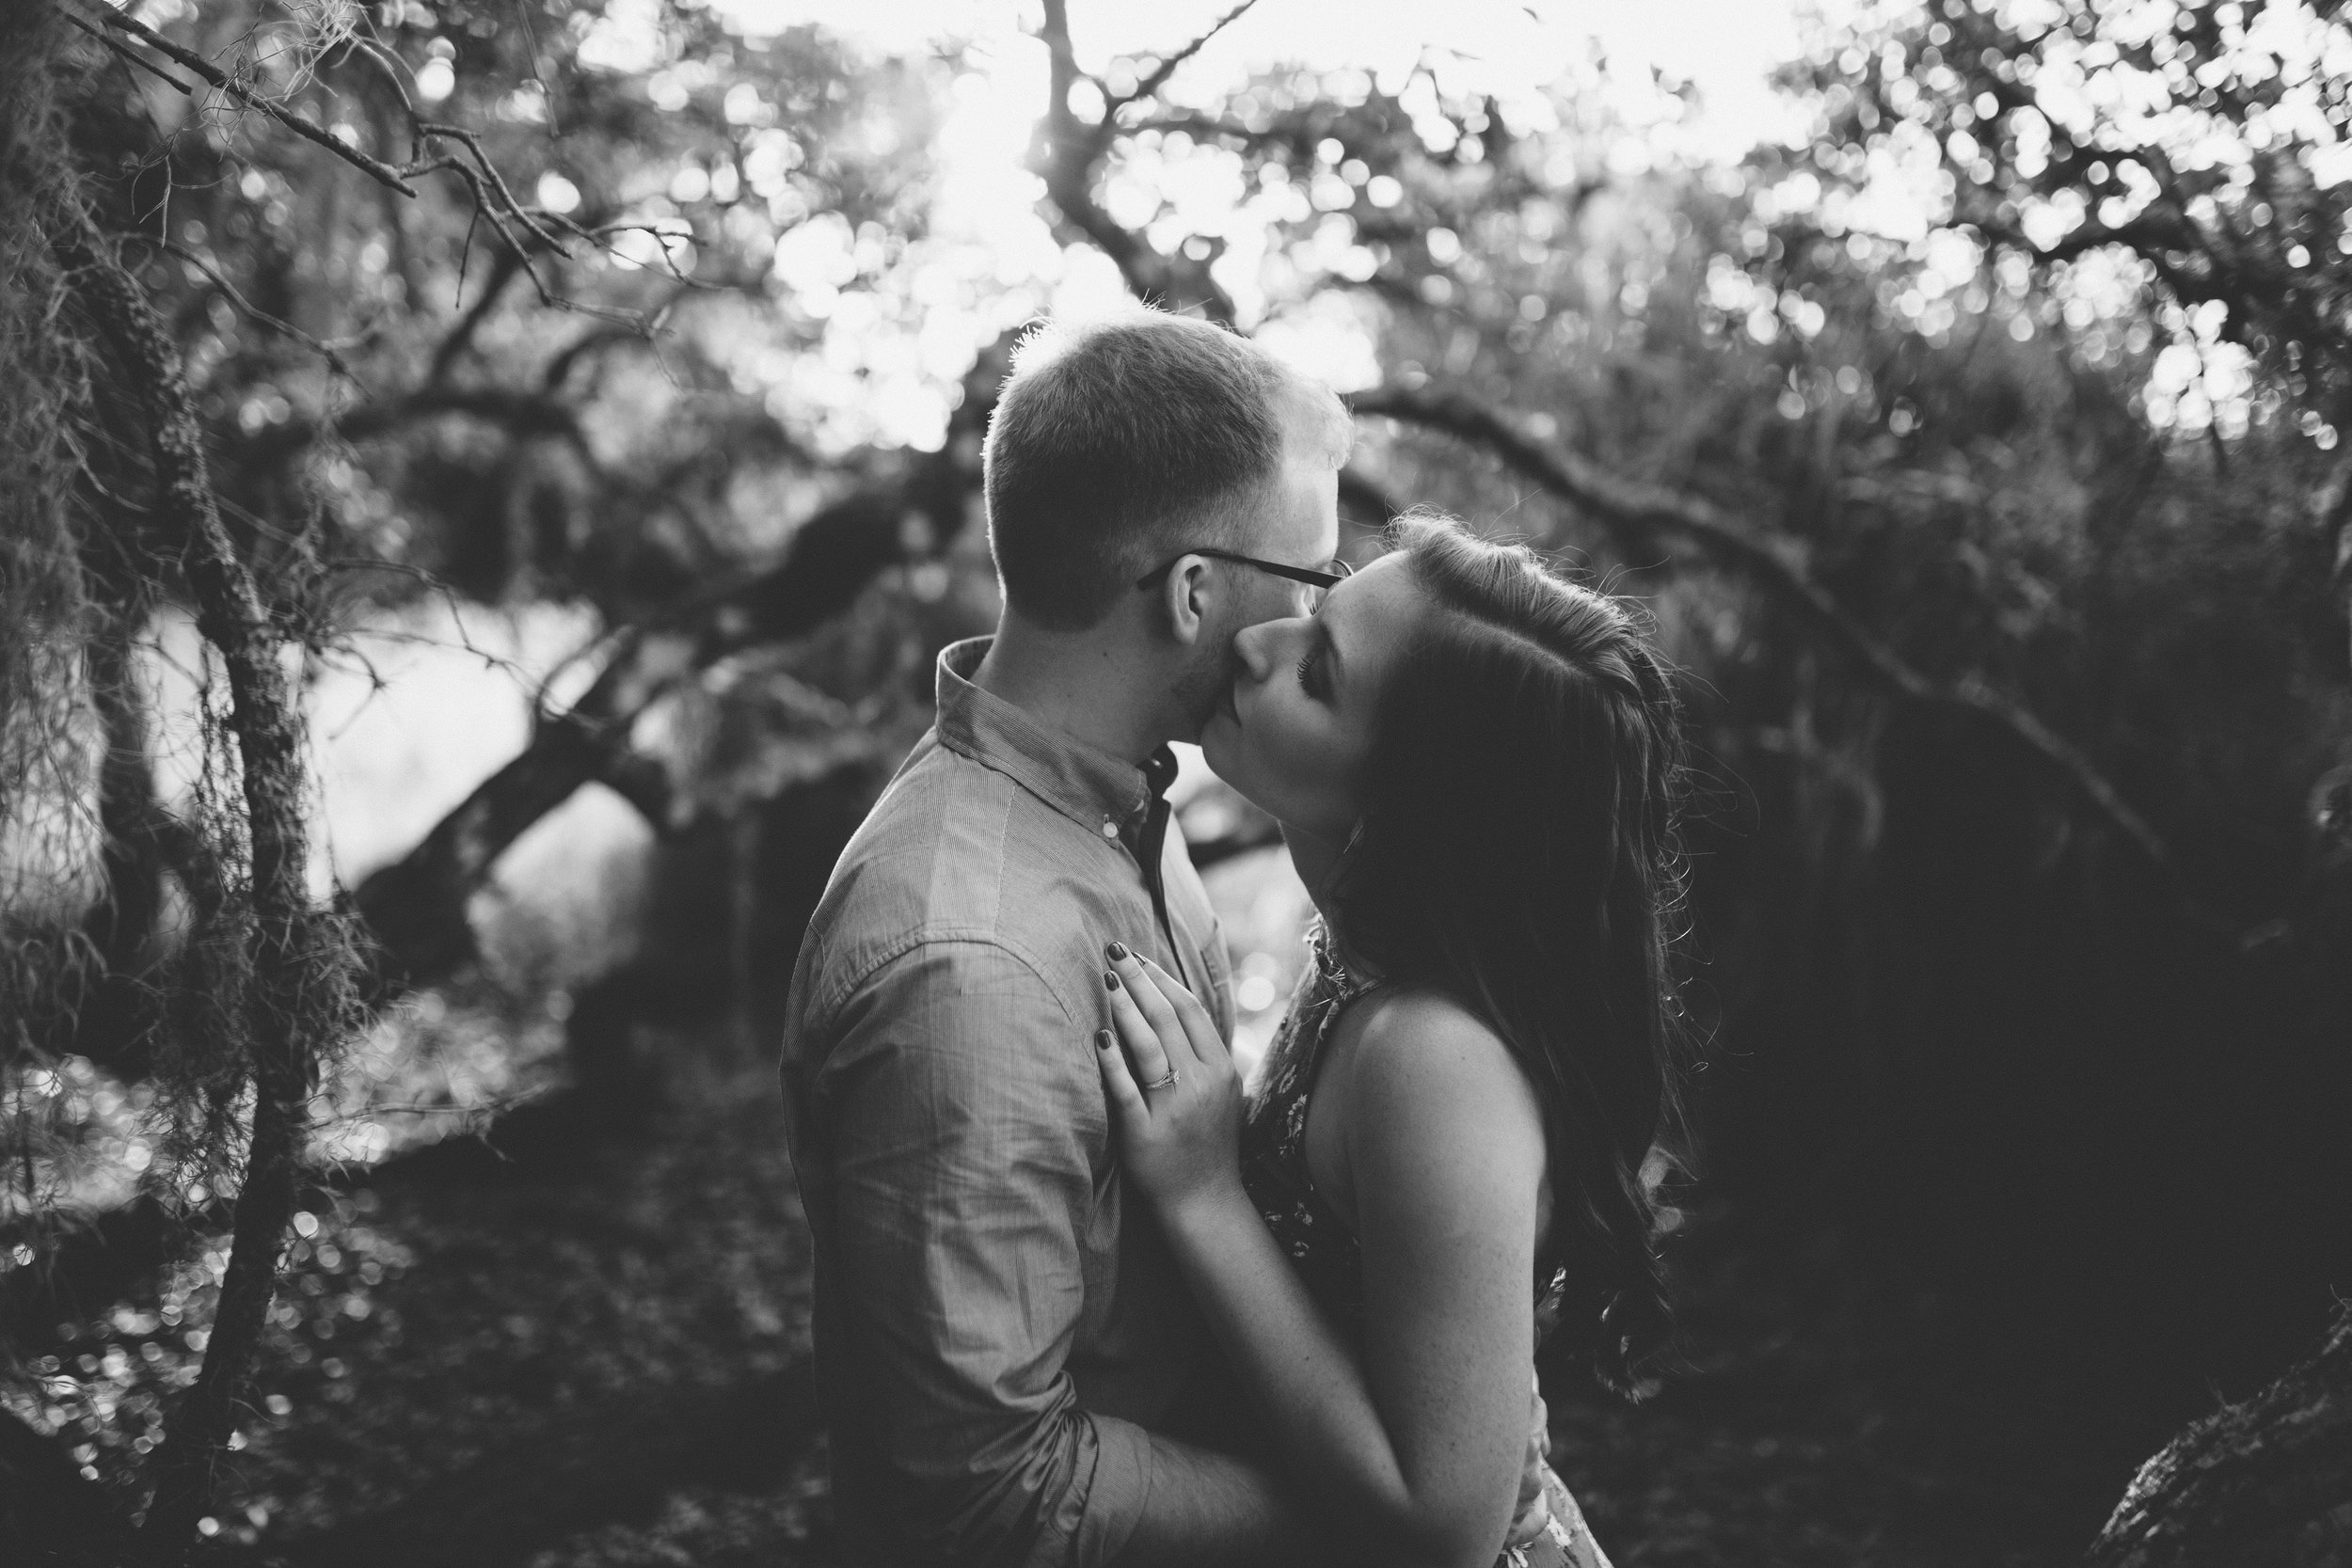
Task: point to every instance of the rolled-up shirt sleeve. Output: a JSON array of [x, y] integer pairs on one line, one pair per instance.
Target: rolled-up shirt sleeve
[[967, 1121]]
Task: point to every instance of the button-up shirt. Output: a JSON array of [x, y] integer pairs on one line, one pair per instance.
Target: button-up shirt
[[996, 1326]]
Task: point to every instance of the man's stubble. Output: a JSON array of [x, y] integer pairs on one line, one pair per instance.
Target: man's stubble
[[1199, 689]]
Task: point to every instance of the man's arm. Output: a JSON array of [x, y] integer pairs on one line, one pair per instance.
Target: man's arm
[[966, 1110]]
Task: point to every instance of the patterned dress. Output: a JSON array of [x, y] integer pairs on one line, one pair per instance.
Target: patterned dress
[[1326, 1252]]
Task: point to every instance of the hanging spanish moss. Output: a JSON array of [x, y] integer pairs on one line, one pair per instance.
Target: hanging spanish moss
[[230, 1003]]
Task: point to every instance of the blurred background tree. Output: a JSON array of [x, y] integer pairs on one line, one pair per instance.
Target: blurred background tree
[[1976, 445]]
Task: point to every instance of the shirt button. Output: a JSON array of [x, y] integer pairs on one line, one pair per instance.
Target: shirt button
[[1110, 829]]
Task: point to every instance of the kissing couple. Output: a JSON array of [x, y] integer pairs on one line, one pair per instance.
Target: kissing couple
[[1078, 1300]]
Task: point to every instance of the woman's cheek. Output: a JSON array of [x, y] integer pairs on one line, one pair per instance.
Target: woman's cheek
[[1239, 759]]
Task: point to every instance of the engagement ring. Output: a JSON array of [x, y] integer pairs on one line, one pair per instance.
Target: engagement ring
[[1167, 1083]]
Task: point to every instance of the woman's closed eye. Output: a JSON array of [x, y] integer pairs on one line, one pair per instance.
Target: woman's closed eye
[[1306, 668]]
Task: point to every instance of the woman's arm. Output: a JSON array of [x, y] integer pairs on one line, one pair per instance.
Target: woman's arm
[[1419, 1450]]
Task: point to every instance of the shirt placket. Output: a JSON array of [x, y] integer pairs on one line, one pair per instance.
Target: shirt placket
[[1150, 848]]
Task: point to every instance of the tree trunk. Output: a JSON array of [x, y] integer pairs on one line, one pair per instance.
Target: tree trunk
[[298, 967], [2264, 1484]]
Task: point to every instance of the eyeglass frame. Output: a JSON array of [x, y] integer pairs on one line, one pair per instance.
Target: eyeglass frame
[[1311, 575]]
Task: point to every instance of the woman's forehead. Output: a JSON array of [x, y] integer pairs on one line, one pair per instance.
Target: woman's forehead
[[1370, 614]]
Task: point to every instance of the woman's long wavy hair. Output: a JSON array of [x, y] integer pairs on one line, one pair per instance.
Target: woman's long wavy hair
[[1518, 854]]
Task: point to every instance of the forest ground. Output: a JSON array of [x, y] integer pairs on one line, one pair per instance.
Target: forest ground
[[594, 1353]]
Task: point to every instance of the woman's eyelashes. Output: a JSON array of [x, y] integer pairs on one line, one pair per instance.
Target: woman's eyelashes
[[1306, 666]]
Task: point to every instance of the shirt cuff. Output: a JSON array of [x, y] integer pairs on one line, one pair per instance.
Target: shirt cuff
[[1116, 1498]]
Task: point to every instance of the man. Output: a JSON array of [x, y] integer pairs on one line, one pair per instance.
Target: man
[[1010, 1367]]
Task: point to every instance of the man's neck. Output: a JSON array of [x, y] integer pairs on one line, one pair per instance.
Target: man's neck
[[1085, 683]]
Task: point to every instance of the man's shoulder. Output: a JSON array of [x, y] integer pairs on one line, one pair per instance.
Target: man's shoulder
[[941, 804], [954, 856]]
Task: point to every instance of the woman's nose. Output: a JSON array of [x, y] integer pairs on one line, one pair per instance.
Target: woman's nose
[[1253, 646]]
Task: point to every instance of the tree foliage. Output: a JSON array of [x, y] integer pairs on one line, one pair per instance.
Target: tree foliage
[[2205, 149]]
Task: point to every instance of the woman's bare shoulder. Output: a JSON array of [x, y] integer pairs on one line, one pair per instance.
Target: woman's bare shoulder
[[1419, 1064]]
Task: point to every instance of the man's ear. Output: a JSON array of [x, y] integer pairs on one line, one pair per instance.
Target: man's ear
[[1187, 599]]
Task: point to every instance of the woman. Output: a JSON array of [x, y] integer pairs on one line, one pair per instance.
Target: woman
[[1475, 765]]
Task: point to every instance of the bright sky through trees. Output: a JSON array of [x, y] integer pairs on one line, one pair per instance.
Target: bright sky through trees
[[1724, 49]]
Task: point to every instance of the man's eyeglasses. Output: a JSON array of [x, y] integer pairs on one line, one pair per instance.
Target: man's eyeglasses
[[1315, 581]]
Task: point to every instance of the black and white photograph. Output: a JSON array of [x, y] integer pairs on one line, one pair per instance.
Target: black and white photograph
[[1057, 783]]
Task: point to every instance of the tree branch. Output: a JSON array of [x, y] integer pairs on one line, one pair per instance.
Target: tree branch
[[522, 414], [416, 907], [116, 47], [288, 1009], [1641, 516], [460, 336], [1636, 514], [2243, 1484], [387, 69], [558, 368], [1067, 156], [373, 168], [472, 140], [254, 313], [1150, 87]]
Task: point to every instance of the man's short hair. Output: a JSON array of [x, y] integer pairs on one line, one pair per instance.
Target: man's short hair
[[1121, 441]]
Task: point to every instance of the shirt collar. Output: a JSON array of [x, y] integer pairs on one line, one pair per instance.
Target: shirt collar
[[1091, 788]]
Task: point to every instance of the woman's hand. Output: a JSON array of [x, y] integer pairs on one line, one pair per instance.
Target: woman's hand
[[1174, 1095]]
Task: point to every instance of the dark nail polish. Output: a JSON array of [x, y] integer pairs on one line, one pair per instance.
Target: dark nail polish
[[1110, 981], [1117, 951], [1101, 1040]]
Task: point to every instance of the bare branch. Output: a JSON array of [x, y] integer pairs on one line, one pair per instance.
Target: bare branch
[[495, 203], [460, 336], [116, 46], [1150, 87], [1068, 154], [662, 237], [247, 307], [387, 67], [427, 130], [308, 129], [488, 211], [559, 369]]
